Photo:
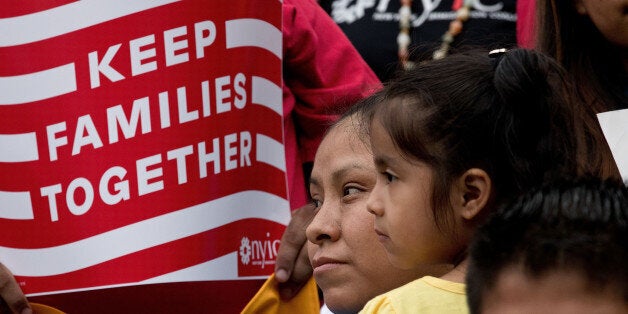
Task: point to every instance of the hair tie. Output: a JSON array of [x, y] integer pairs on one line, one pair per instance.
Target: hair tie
[[496, 56], [497, 52]]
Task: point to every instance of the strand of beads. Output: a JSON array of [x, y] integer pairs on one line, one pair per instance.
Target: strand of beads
[[403, 39], [455, 27]]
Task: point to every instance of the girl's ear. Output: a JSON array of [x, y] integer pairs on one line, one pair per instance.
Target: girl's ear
[[471, 192]]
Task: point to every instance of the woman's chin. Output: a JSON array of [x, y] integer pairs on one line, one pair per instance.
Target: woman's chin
[[340, 303]]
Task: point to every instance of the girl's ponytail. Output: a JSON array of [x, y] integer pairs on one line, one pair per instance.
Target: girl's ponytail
[[544, 108]]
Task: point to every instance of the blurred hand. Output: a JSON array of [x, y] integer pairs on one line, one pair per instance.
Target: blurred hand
[[293, 269], [12, 299]]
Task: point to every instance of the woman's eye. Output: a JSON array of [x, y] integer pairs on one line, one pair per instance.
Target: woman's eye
[[351, 190], [317, 203]]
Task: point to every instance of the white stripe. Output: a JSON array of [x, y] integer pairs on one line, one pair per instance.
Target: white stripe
[[18, 147], [253, 32], [35, 86], [267, 94], [68, 18], [212, 270], [270, 152], [221, 268], [16, 205], [145, 234]]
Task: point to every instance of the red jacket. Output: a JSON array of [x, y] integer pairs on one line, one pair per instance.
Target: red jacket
[[322, 71], [526, 12]]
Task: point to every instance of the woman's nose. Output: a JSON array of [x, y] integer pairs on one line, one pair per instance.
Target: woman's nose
[[324, 225]]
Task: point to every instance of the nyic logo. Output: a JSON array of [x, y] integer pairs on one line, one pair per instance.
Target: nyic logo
[[255, 254], [245, 251]]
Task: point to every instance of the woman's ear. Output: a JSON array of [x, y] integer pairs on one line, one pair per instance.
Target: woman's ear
[[471, 192]]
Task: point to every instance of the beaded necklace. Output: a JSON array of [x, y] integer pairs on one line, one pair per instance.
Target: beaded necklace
[[462, 7], [403, 39]]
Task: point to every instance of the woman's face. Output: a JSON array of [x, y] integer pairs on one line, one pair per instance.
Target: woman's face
[[350, 265], [402, 207], [609, 16]]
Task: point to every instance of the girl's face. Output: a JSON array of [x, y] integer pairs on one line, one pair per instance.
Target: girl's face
[[350, 266], [609, 16], [401, 204]]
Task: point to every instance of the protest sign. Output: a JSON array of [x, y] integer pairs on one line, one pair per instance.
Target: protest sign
[[613, 124], [140, 143]]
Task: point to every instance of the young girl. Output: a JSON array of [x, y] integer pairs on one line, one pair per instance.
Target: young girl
[[453, 140]]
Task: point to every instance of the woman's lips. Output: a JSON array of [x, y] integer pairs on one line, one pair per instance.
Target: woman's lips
[[323, 264]]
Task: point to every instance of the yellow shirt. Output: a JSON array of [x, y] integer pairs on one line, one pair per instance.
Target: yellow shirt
[[267, 300], [425, 295]]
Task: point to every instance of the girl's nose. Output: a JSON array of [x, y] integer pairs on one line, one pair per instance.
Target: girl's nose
[[374, 203]]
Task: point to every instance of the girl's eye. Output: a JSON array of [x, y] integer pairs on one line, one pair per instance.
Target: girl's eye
[[389, 177]]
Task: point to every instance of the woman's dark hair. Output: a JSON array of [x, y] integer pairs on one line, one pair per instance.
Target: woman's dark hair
[[578, 226], [576, 43], [512, 115]]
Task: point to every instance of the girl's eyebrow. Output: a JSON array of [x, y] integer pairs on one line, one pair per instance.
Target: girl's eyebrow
[[383, 160]]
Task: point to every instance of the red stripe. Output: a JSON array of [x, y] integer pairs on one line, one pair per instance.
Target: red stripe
[[185, 297], [12, 8]]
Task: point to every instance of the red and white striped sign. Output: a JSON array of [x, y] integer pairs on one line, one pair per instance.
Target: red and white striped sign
[[140, 142]]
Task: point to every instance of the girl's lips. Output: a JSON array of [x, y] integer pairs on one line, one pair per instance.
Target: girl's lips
[[380, 234], [382, 237]]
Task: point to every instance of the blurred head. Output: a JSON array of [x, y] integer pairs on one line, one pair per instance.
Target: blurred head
[[457, 137], [560, 248], [350, 266], [610, 17], [590, 39]]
